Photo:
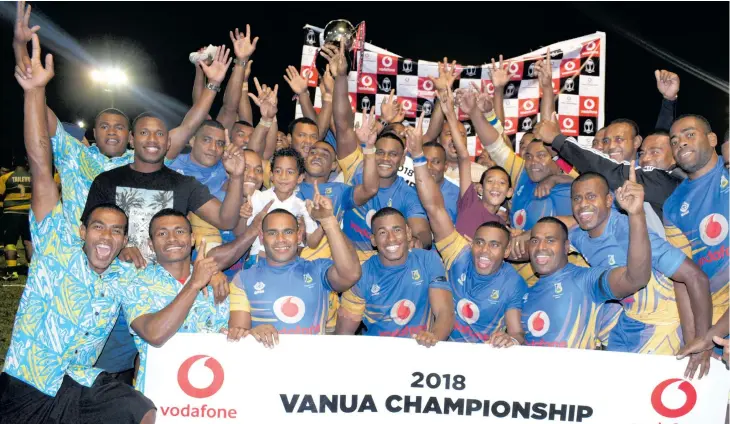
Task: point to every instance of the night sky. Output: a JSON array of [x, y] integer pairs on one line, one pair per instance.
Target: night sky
[[153, 40]]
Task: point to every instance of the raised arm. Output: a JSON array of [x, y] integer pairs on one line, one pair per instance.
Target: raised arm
[[342, 110], [199, 81], [500, 77], [545, 78], [244, 104], [668, 85], [215, 73], [327, 89], [243, 48], [459, 142], [267, 102], [298, 85], [627, 280], [367, 133], [37, 140], [428, 191], [346, 269], [227, 254], [445, 81]]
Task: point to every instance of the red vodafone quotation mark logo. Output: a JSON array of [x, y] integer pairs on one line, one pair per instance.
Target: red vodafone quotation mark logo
[[184, 381], [689, 403]]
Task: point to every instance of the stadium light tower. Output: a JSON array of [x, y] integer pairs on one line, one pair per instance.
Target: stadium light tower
[[110, 80]]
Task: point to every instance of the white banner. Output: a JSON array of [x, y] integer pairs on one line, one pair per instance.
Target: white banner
[[198, 378]]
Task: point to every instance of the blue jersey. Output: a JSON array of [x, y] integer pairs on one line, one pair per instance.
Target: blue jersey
[[561, 310], [528, 209], [294, 298], [481, 301], [450, 193], [651, 320], [393, 300], [340, 194]]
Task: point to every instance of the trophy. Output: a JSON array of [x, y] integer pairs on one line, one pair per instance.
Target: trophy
[[339, 31]]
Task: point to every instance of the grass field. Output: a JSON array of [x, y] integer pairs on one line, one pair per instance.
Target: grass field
[[9, 297]]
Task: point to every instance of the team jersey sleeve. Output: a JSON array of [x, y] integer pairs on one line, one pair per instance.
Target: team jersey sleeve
[[349, 164], [323, 267], [347, 198], [664, 257], [595, 283], [238, 298], [676, 237], [47, 234], [503, 156], [451, 248], [353, 301], [520, 288], [136, 297], [436, 272], [562, 201], [199, 194], [414, 208]]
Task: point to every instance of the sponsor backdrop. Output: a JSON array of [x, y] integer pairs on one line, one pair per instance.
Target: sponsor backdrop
[[199, 378], [579, 72]]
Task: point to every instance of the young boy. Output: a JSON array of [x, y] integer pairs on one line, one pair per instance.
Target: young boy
[[473, 211]]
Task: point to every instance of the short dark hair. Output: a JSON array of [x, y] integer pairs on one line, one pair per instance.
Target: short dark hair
[[494, 224], [435, 144], [168, 212], [302, 120], [289, 152], [243, 123], [658, 132], [111, 111], [634, 125], [108, 206], [702, 119], [553, 220], [590, 176], [152, 115], [392, 136], [386, 211], [279, 211], [498, 168], [212, 123]]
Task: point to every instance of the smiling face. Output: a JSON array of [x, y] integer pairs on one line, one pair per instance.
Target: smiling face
[[320, 161], [280, 237], [391, 236], [655, 151], [389, 156], [253, 174], [489, 249], [447, 140], [104, 237], [622, 143], [591, 203], [172, 239], [111, 133], [285, 176], [548, 247], [241, 135], [151, 140], [496, 187], [303, 137], [208, 146], [436, 162], [538, 162], [692, 144]]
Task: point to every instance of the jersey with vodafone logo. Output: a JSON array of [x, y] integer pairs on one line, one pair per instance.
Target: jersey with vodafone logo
[[528, 209], [699, 210], [480, 300], [561, 310], [294, 298], [393, 300]]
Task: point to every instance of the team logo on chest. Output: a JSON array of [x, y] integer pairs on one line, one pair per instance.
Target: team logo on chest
[[307, 279], [416, 275], [611, 260], [462, 279], [713, 229], [468, 311], [259, 287], [289, 309], [538, 323], [375, 290], [402, 311], [520, 219], [723, 182], [684, 210], [494, 295]]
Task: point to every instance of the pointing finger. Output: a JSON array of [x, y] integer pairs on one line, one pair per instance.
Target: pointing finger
[[632, 172]]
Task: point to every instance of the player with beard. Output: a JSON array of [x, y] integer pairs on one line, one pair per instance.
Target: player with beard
[[487, 291], [290, 293], [78, 164], [696, 214], [71, 298], [389, 154], [650, 322], [403, 292], [561, 310]]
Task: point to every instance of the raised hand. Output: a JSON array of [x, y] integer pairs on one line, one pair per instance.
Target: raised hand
[[485, 102], [320, 208], [544, 70], [131, 254], [467, 101], [297, 83], [336, 58], [367, 133], [39, 75], [500, 74], [247, 71], [23, 32], [414, 137], [547, 130], [630, 196], [203, 269], [446, 77], [447, 104], [328, 82], [243, 47], [246, 210], [216, 71], [667, 83], [390, 109], [234, 161], [266, 100]]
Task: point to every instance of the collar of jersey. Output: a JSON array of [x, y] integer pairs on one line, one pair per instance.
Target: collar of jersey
[[263, 263]]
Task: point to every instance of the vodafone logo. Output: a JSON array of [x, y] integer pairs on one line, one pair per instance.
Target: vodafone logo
[[520, 218], [713, 229], [589, 104], [514, 67], [289, 309], [307, 73], [407, 104], [490, 88], [183, 377], [662, 409], [508, 124], [538, 323], [402, 311], [591, 46], [468, 311], [569, 66], [568, 123], [367, 80], [428, 85], [387, 61], [528, 105]]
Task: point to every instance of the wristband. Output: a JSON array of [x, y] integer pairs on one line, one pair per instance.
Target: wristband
[[417, 164], [244, 87], [240, 62], [327, 98], [267, 124], [420, 160], [383, 122], [491, 117], [368, 151], [211, 86]]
